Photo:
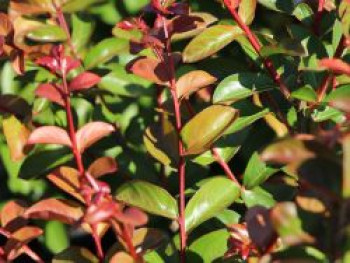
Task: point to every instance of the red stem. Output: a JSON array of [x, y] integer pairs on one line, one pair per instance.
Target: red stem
[[78, 159], [129, 244], [224, 165], [318, 16], [322, 90], [181, 164], [257, 47]]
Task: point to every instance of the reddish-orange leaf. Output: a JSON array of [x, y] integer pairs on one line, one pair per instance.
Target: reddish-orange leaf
[[12, 215], [121, 257], [133, 216], [67, 179], [50, 92], [65, 211], [149, 68], [49, 135], [91, 133], [20, 238], [336, 65], [192, 82], [85, 80], [102, 166]]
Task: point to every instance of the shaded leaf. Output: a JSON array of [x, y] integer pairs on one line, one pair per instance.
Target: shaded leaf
[[289, 47], [149, 197], [49, 135], [210, 41], [91, 133], [75, 254], [14, 105], [206, 127], [260, 228], [65, 211], [145, 239], [214, 196], [121, 257], [42, 162], [161, 141], [285, 220]]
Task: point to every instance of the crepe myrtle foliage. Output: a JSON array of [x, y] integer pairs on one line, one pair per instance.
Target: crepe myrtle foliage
[[175, 131]]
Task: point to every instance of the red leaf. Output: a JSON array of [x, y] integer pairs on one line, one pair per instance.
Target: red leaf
[[12, 215], [85, 80], [102, 166], [91, 133], [133, 216], [68, 212], [101, 213], [49, 135], [67, 179], [21, 237], [336, 65], [48, 62], [50, 92], [149, 68], [70, 64]]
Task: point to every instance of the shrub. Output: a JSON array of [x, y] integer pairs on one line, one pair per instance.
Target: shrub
[[175, 132]]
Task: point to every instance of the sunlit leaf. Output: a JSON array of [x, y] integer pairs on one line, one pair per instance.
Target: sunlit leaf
[[149, 197], [213, 197]]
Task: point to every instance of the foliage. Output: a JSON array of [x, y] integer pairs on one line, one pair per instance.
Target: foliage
[[175, 131]]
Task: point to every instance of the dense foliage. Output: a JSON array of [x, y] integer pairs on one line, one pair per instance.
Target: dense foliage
[[174, 131]]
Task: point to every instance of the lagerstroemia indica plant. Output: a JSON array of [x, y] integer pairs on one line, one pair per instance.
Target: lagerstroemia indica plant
[[175, 131]]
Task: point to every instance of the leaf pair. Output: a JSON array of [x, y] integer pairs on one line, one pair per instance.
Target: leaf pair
[[85, 137]]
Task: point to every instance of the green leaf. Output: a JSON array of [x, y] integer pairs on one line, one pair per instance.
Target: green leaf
[[47, 34], [344, 14], [306, 93], [258, 196], [74, 255], [278, 5], [105, 51], [216, 240], [256, 172], [73, 6], [206, 127], [340, 98], [214, 196], [240, 86], [304, 13], [149, 197], [210, 41], [43, 161], [290, 47], [119, 82], [228, 217], [83, 27], [246, 11], [227, 147], [56, 238], [248, 114]]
